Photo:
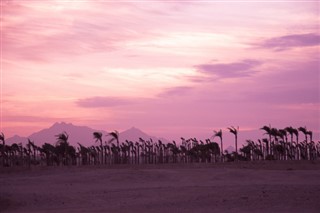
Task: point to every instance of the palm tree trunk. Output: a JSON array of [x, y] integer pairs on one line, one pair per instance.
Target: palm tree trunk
[[221, 149], [236, 140], [3, 153], [269, 147]]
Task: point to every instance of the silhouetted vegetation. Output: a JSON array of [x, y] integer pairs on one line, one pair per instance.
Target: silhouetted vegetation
[[110, 151]]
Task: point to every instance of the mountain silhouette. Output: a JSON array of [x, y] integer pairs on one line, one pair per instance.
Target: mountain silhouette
[[230, 149], [133, 134], [17, 139], [77, 134]]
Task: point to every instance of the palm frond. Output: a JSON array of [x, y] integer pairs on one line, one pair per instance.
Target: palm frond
[[233, 130], [217, 133], [62, 137], [267, 129], [97, 136], [2, 137], [303, 130]]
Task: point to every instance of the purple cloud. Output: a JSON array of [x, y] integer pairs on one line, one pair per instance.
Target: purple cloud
[[230, 70], [290, 41], [94, 102], [295, 83], [286, 96], [175, 91], [30, 119]]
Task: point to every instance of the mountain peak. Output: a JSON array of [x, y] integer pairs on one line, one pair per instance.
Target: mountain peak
[[134, 129], [62, 123], [78, 134]]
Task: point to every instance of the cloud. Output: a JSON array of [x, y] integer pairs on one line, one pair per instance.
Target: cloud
[[43, 32], [291, 41], [240, 69], [286, 96], [175, 91], [99, 101], [293, 83], [29, 119]]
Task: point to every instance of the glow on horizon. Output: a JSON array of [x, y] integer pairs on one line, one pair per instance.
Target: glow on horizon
[[170, 68]]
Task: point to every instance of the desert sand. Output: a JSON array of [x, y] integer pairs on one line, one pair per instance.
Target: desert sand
[[228, 187]]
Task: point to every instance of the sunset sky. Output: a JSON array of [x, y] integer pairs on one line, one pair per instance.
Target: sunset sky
[[170, 68]]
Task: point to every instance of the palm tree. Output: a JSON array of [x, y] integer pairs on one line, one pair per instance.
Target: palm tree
[[34, 148], [15, 149], [246, 150], [268, 132], [212, 148], [62, 145], [234, 131], [296, 133], [310, 134], [265, 151], [290, 130], [284, 137], [304, 131], [115, 136], [2, 139], [29, 152], [49, 151], [283, 134], [275, 133], [62, 137], [98, 137], [219, 134]]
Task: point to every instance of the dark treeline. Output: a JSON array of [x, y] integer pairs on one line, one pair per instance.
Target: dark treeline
[[280, 144]]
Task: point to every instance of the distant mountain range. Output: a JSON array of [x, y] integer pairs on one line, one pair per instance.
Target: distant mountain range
[[84, 135], [78, 134]]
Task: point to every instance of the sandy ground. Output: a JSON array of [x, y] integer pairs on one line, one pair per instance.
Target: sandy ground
[[229, 187]]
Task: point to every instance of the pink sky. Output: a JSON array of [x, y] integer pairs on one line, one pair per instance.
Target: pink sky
[[170, 68]]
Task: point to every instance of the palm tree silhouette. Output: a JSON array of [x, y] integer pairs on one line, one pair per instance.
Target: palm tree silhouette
[[310, 134], [62, 145], [98, 137], [29, 152], [296, 133], [291, 131], [265, 151], [219, 134], [283, 134], [2, 139], [49, 151], [62, 137], [268, 131], [33, 148], [275, 133], [116, 150], [115, 136], [234, 131], [305, 132]]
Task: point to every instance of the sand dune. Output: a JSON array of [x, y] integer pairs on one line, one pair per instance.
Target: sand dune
[[229, 187]]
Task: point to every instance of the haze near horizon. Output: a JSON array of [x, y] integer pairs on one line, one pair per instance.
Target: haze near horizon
[[170, 68]]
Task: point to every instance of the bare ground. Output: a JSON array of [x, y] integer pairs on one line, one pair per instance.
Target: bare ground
[[228, 187]]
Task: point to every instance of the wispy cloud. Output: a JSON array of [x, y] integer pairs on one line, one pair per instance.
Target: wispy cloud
[[30, 119], [291, 41], [285, 96], [93, 102], [175, 91], [64, 29], [240, 69]]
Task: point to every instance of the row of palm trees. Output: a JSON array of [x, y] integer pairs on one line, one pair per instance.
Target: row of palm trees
[[110, 151]]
